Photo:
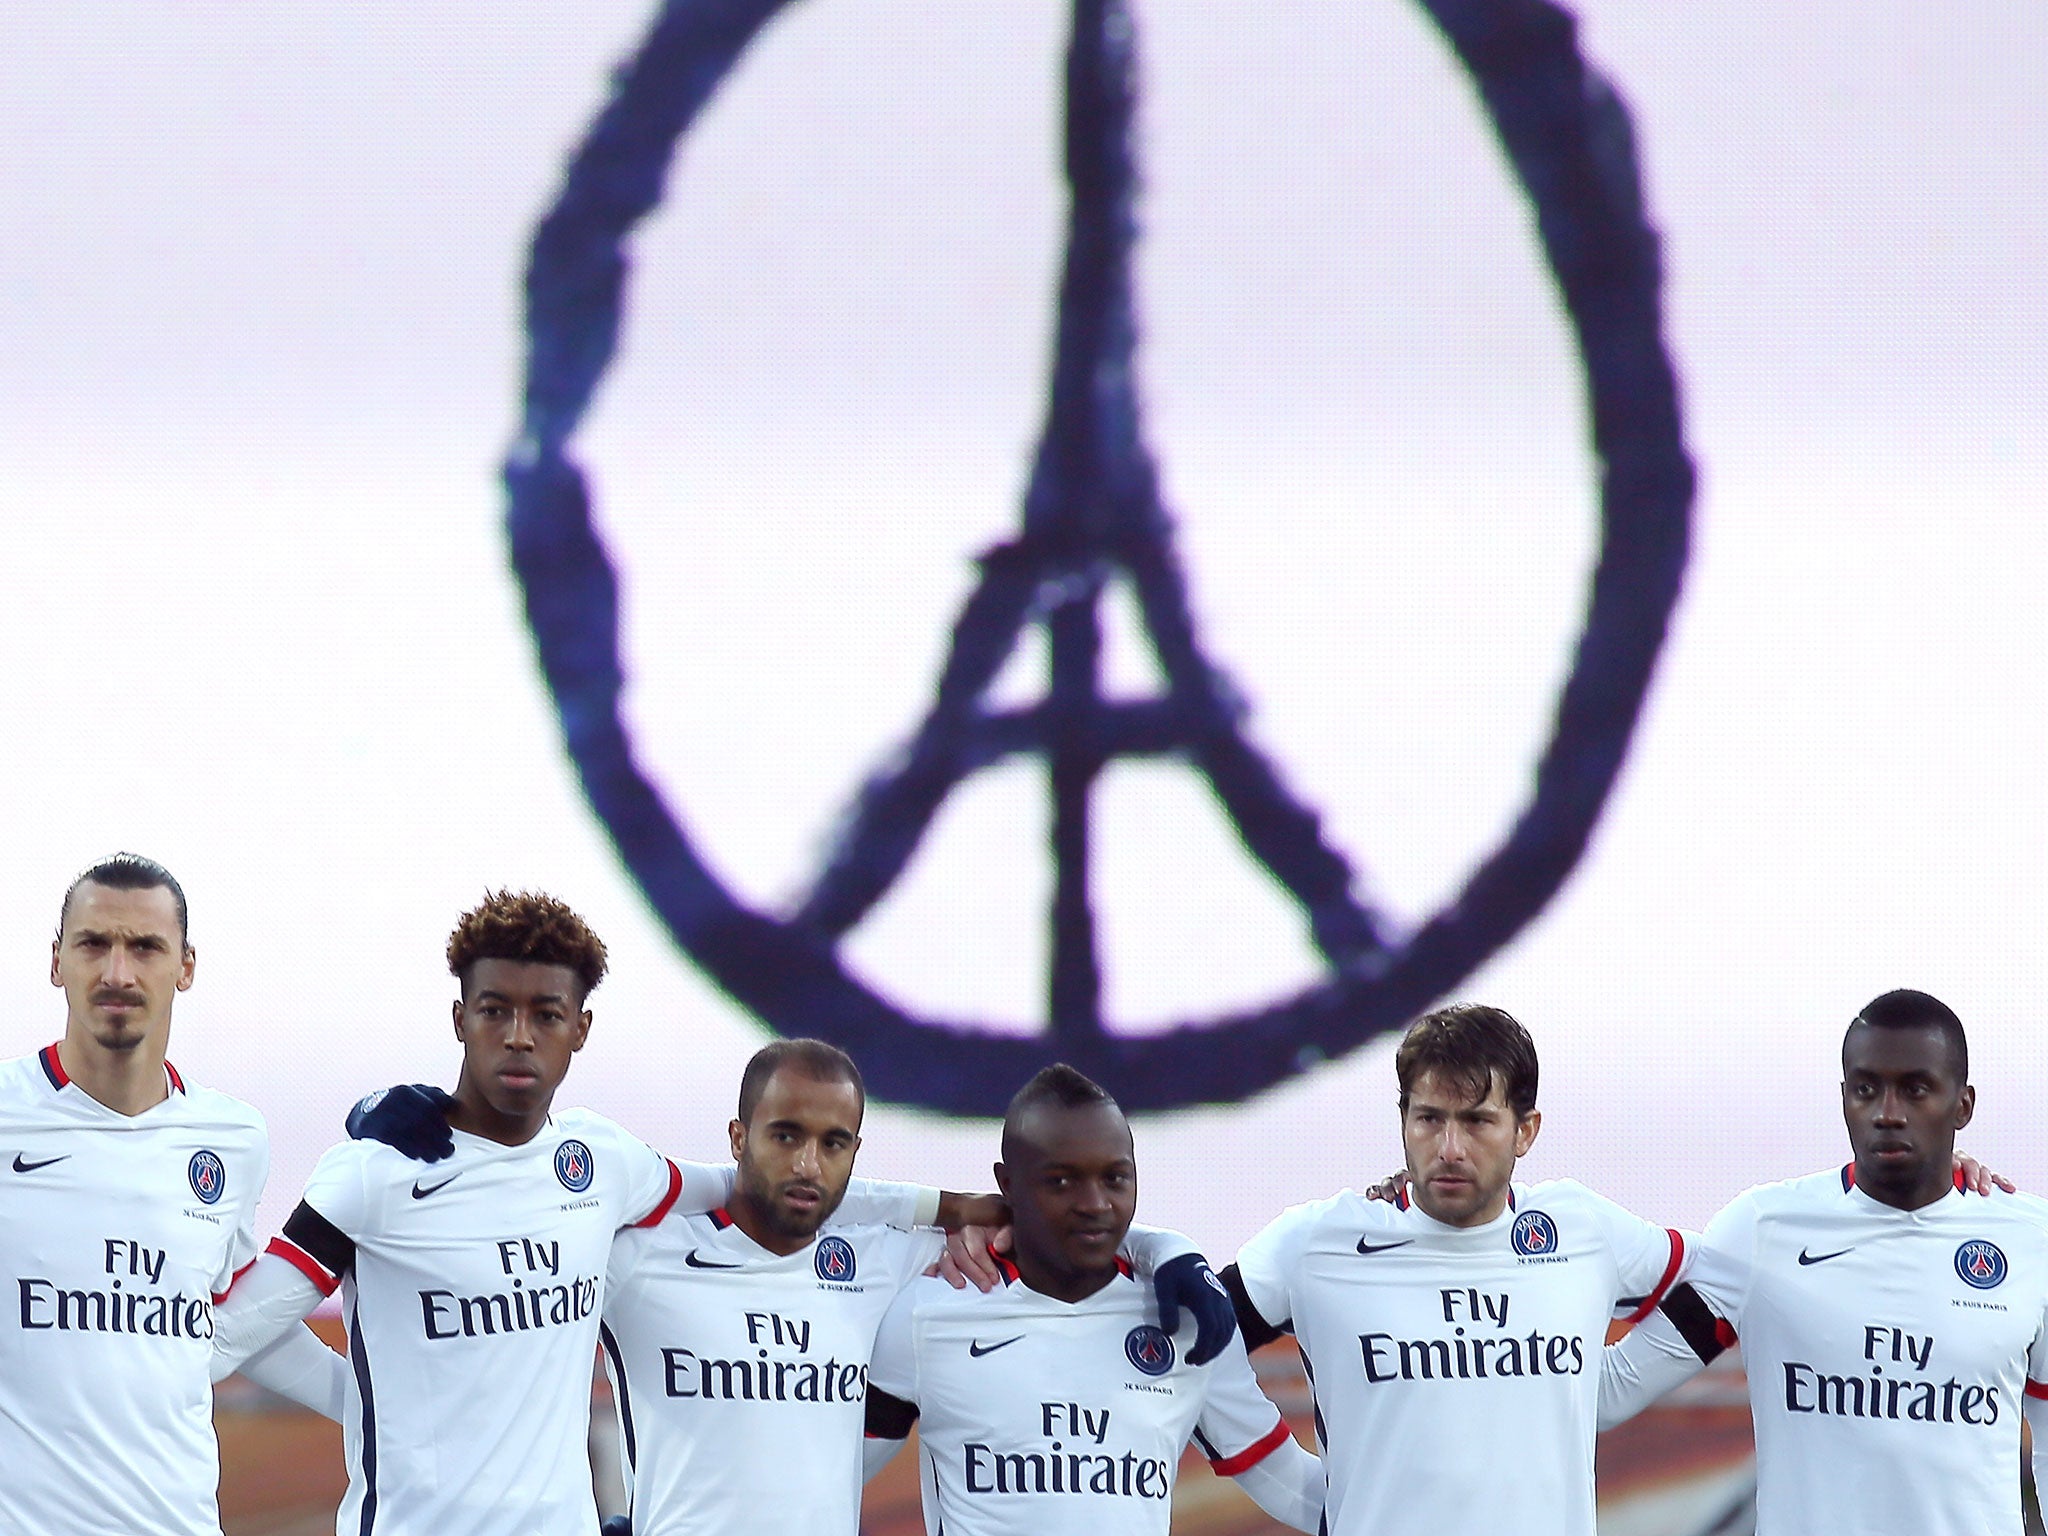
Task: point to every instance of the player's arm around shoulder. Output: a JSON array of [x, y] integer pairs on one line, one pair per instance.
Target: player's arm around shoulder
[[1696, 1319], [893, 1392], [1246, 1439], [1261, 1283]]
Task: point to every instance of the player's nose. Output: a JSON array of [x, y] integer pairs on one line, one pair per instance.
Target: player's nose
[[1092, 1195]]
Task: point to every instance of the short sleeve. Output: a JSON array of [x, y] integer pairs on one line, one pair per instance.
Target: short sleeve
[[242, 1245], [893, 1365], [2037, 1359], [911, 1253], [1723, 1259], [335, 1213], [1648, 1259], [652, 1183], [338, 1191], [1268, 1263], [1239, 1426]]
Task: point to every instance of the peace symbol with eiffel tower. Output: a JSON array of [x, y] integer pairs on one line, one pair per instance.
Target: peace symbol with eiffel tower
[[1092, 515]]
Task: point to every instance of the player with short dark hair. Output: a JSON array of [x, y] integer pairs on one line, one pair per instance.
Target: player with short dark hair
[[1058, 1402], [1452, 1335], [1469, 1047], [814, 1059], [738, 1340], [128, 1208], [1894, 1331], [472, 1290]]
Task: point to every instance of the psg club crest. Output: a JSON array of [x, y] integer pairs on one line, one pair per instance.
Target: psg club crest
[[1980, 1264], [1535, 1235], [1149, 1349], [574, 1167], [835, 1259], [209, 1176], [1094, 516]]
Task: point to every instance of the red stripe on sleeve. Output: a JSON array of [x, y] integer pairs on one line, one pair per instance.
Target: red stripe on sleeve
[[304, 1263], [1724, 1333], [2037, 1389], [667, 1201], [221, 1296], [1254, 1453], [1671, 1269]]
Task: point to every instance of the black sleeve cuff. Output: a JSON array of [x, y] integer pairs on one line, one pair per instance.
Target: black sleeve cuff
[[1256, 1330], [1696, 1324], [889, 1417], [328, 1246]]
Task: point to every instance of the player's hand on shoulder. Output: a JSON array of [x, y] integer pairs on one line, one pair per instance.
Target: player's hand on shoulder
[[1388, 1188], [1189, 1282], [411, 1118], [1976, 1177], [969, 1257]]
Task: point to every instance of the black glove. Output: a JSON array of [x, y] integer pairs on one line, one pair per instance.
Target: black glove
[[618, 1525], [411, 1117], [1189, 1282]]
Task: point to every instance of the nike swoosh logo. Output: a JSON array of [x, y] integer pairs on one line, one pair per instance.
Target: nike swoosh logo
[[1365, 1247], [978, 1349], [694, 1262], [421, 1193], [1822, 1258], [21, 1167]]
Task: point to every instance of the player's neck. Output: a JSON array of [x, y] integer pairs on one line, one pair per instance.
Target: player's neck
[[473, 1114], [748, 1217], [1059, 1284], [127, 1082], [1919, 1192]]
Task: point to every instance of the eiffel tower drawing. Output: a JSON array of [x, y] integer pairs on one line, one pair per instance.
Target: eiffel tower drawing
[[1093, 517]]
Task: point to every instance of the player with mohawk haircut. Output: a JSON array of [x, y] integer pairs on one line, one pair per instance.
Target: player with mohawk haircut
[[472, 1290]]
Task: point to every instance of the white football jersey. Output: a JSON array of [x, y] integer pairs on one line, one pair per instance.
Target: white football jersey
[[1456, 1370], [1888, 1352], [118, 1233], [471, 1290], [741, 1375], [1038, 1416]]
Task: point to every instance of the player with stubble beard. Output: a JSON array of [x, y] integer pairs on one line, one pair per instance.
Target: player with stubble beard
[[127, 1206], [1894, 1328], [738, 1341], [1452, 1335]]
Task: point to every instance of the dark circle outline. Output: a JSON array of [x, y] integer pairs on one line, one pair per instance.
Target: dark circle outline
[[589, 1165], [220, 1175], [1571, 145], [1963, 1274]]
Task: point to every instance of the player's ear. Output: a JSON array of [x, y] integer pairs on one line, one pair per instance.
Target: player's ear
[[1003, 1183], [186, 961], [582, 1030], [455, 1015], [736, 1130], [56, 976], [1966, 1105], [1525, 1132]]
